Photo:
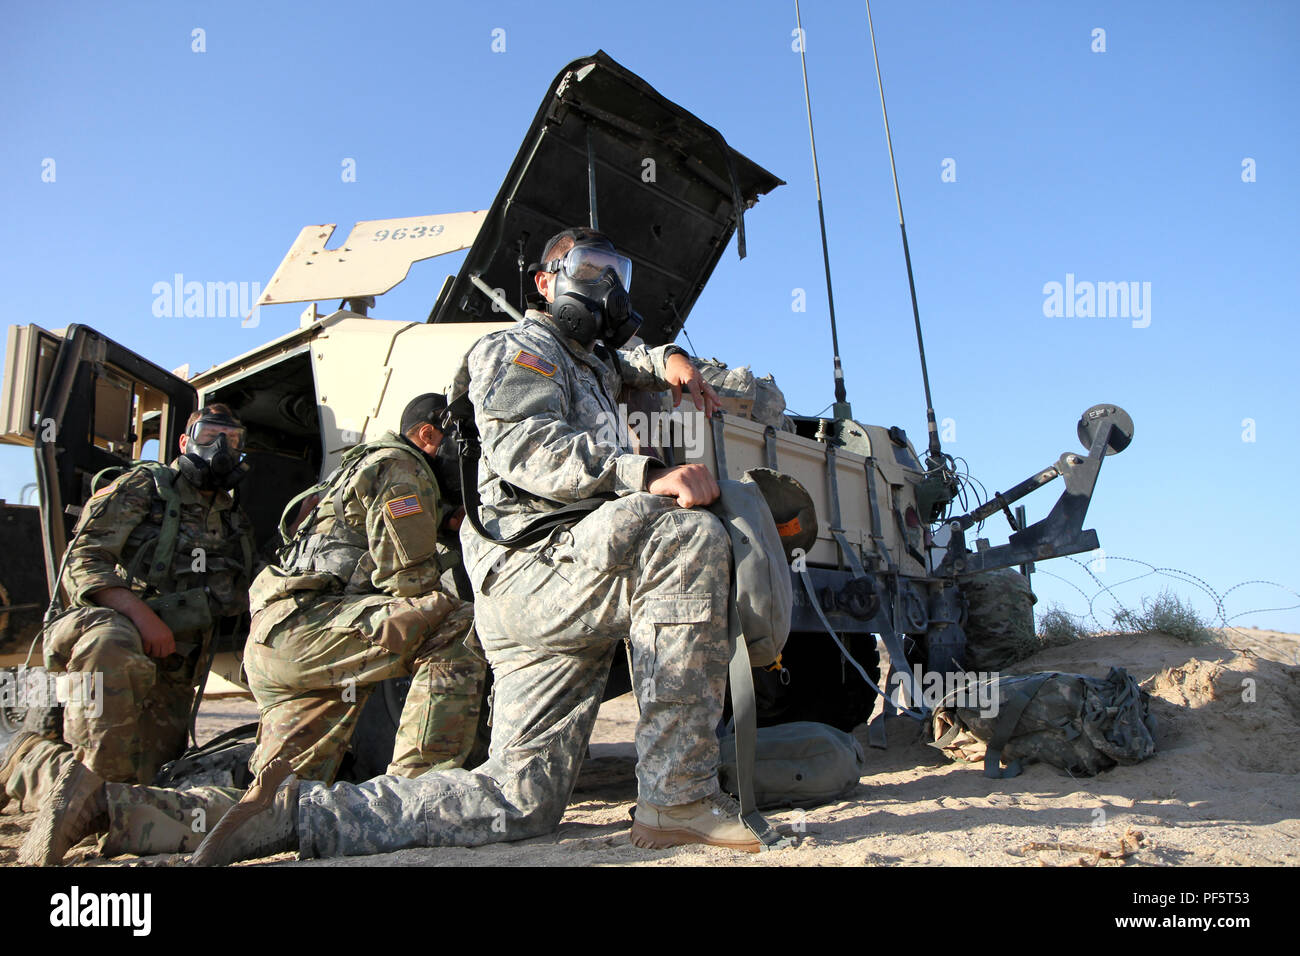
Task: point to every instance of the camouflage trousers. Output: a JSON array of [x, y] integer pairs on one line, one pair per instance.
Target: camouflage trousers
[[148, 820], [131, 712], [312, 669], [550, 619]]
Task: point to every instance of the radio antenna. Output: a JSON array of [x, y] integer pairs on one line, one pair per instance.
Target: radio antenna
[[936, 452], [841, 407]]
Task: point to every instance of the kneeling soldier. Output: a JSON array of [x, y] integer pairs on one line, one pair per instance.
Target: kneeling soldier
[[160, 559], [354, 600]]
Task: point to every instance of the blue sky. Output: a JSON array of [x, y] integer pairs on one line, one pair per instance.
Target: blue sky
[[1117, 166]]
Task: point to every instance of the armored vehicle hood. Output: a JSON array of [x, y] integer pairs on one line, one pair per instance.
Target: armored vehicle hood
[[668, 190]]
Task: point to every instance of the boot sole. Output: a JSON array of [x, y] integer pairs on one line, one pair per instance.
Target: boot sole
[[213, 846], [656, 838], [41, 847]]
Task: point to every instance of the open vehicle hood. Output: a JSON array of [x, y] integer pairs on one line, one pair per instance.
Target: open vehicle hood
[[669, 192]]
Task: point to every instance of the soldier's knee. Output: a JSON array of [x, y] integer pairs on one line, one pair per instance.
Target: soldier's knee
[[113, 652], [702, 525], [697, 536]]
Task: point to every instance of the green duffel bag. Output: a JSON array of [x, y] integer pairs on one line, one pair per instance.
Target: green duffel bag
[[800, 764]]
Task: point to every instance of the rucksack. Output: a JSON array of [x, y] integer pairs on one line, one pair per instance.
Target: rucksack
[[744, 395], [221, 762], [1082, 725], [999, 619], [761, 592]]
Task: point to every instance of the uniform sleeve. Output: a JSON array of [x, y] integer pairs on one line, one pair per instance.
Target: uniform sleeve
[[520, 412], [401, 526], [100, 540], [644, 368]]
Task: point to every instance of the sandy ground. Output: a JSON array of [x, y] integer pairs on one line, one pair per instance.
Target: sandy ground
[[1221, 789]]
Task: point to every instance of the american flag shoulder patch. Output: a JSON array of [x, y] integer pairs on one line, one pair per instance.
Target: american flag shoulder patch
[[107, 489], [404, 507], [534, 362]]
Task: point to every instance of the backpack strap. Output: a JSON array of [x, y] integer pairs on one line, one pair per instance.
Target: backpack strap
[[165, 549], [1008, 718], [291, 508], [337, 480], [744, 709], [465, 434]]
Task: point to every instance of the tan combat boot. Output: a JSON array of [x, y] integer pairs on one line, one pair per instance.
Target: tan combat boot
[[715, 820], [263, 822], [76, 809]]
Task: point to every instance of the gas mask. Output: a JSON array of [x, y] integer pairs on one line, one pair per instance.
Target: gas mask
[[446, 468], [214, 459], [591, 298]]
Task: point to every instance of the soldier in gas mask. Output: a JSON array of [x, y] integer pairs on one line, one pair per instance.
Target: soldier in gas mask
[[647, 564], [161, 558], [353, 599]]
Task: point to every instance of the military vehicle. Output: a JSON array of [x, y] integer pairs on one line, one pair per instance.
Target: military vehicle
[[889, 559]]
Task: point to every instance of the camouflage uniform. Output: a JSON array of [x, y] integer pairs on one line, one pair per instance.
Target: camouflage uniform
[[139, 719], [355, 603], [551, 616]]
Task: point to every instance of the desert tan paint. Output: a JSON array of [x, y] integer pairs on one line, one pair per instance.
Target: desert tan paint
[[376, 256]]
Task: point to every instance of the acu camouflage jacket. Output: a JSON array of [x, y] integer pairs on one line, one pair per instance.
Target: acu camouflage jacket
[[548, 423]]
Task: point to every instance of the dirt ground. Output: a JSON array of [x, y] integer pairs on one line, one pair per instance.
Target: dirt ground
[[1220, 790]]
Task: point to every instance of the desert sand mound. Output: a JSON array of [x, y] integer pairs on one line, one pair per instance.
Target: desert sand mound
[[1221, 788]]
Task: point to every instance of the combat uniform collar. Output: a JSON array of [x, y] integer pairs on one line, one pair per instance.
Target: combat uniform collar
[[220, 500], [575, 348]]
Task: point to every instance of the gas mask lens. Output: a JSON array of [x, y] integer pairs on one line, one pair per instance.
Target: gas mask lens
[[588, 264], [205, 433]]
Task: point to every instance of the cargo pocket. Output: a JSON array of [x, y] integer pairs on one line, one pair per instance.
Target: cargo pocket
[[683, 610], [368, 617], [668, 664], [265, 624]]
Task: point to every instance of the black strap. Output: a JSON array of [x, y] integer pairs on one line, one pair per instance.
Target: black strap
[[769, 447], [541, 528], [744, 711], [1008, 718]]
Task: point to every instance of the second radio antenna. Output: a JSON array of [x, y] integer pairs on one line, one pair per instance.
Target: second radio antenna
[[936, 452], [841, 407]]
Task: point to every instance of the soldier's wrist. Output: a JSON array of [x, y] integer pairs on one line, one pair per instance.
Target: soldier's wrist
[[631, 472]]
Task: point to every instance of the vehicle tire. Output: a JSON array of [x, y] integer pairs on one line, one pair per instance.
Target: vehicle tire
[[821, 686], [27, 707]]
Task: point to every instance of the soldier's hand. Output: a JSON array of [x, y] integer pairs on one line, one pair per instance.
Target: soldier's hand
[[681, 372], [691, 485], [156, 637], [453, 521]]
